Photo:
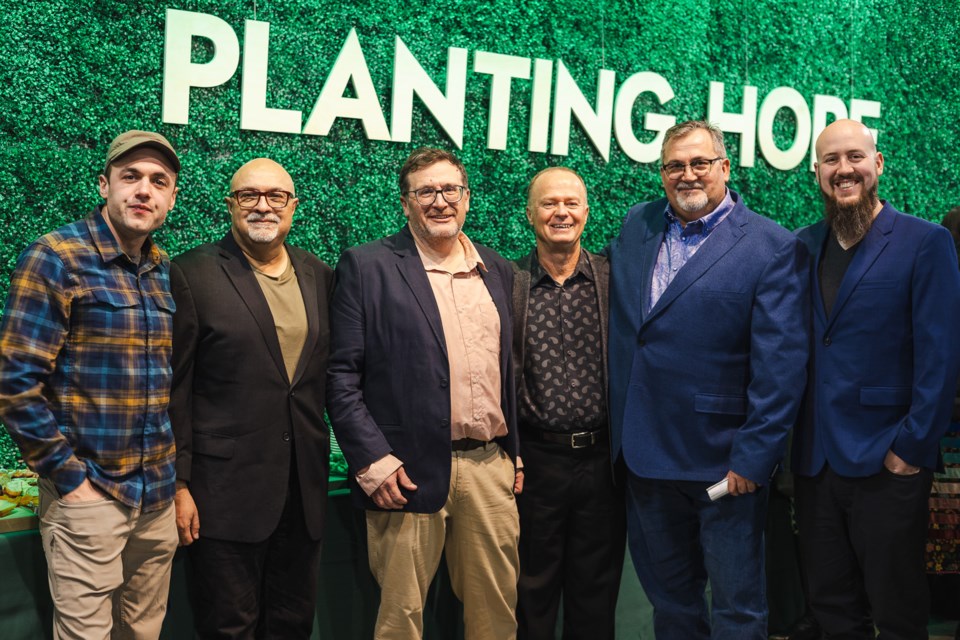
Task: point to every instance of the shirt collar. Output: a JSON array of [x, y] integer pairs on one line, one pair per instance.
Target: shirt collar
[[108, 246], [539, 275], [702, 226], [471, 258]]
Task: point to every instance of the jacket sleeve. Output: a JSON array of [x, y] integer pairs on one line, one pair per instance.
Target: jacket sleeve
[[359, 437], [935, 316], [779, 350]]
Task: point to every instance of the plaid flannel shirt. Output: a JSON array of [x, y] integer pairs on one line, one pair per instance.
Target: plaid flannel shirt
[[85, 344]]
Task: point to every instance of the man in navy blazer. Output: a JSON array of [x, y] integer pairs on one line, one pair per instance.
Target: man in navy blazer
[[708, 348], [422, 401], [884, 366]]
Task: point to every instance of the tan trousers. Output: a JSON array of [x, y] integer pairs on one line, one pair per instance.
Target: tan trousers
[[478, 528], [108, 567]]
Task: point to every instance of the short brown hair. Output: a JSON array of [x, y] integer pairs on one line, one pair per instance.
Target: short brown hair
[[424, 157], [683, 128]]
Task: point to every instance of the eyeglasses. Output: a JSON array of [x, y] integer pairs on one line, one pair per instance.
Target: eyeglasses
[[452, 194], [250, 198], [700, 167]]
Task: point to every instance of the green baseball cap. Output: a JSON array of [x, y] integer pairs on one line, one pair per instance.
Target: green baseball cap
[[134, 139]]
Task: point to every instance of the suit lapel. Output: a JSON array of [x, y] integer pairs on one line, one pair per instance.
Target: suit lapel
[[241, 275], [818, 235], [721, 240], [415, 276], [521, 302], [649, 250], [873, 245], [307, 281]]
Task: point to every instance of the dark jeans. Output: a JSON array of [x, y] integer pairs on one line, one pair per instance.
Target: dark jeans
[[863, 545], [572, 538], [679, 538]]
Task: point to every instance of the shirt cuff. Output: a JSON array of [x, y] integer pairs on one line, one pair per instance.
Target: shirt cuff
[[379, 471]]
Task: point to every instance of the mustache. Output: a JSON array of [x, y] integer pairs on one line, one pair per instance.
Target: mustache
[[696, 184], [257, 217]]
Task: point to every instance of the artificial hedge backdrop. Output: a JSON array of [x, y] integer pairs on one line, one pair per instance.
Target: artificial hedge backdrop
[[77, 72]]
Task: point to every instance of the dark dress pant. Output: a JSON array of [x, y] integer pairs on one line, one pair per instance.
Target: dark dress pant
[[572, 539], [257, 591], [862, 541]]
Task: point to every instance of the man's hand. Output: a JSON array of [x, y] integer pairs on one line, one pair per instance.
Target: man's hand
[[86, 491], [388, 496], [518, 482], [188, 518], [737, 485], [898, 466]]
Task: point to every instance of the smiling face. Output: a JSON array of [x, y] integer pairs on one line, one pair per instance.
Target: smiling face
[[140, 190], [848, 164], [691, 196], [437, 224], [261, 226], [557, 209]]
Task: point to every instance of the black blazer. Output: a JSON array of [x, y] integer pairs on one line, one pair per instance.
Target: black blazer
[[388, 383], [235, 414]]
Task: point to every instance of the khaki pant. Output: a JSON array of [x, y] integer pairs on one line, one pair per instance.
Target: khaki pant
[[478, 528], [108, 566]]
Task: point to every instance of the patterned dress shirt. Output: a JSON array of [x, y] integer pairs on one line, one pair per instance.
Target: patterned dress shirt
[[680, 243], [85, 345], [562, 387]]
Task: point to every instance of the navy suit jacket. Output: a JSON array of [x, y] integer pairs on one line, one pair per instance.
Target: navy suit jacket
[[712, 377], [884, 365], [388, 386]]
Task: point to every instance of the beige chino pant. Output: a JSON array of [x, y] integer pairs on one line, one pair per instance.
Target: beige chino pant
[[478, 528], [108, 566]]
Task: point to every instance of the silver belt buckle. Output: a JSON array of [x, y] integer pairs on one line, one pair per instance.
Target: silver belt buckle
[[586, 437]]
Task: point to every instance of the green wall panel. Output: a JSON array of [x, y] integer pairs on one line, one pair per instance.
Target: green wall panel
[[77, 72]]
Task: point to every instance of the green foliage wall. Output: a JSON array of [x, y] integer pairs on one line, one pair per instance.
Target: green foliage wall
[[77, 72]]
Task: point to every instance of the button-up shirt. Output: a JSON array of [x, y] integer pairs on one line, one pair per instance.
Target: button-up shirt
[[85, 346], [680, 243], [562, 386]]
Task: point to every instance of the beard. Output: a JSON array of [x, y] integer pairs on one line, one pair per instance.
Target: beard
[[692, 202], [850, 221], [263, 235]]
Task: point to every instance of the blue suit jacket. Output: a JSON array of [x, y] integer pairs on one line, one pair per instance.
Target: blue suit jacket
[[884, 366], [388, 388], [711, 378]]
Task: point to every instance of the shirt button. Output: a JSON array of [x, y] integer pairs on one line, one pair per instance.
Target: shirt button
[[827, 341], [443, 383], [444, 423], [286, 436]]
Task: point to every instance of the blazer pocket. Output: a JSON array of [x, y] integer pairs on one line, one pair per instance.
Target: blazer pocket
[[877, 284], [214, 446], [885, 396], [715, 403]]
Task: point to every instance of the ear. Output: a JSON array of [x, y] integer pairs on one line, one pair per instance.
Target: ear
[[879, 163], [103, 186]]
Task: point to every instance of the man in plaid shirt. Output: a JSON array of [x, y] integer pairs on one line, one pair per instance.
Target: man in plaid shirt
[[85, 344]]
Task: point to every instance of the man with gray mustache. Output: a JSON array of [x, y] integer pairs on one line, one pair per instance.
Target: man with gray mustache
[[250, 345], [707, 355]]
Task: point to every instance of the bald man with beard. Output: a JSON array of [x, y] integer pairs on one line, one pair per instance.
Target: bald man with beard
[[250, 347], [884, 365]]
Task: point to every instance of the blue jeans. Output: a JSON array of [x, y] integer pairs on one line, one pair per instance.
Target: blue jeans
[[678, 539]]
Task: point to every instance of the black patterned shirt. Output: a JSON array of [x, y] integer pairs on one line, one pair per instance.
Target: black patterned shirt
[[562, 388]]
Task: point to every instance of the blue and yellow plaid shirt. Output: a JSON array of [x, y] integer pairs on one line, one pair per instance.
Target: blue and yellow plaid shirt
[[85, 344]]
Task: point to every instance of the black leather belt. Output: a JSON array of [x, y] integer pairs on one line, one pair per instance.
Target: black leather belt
[[467, 444], [578, 440]]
